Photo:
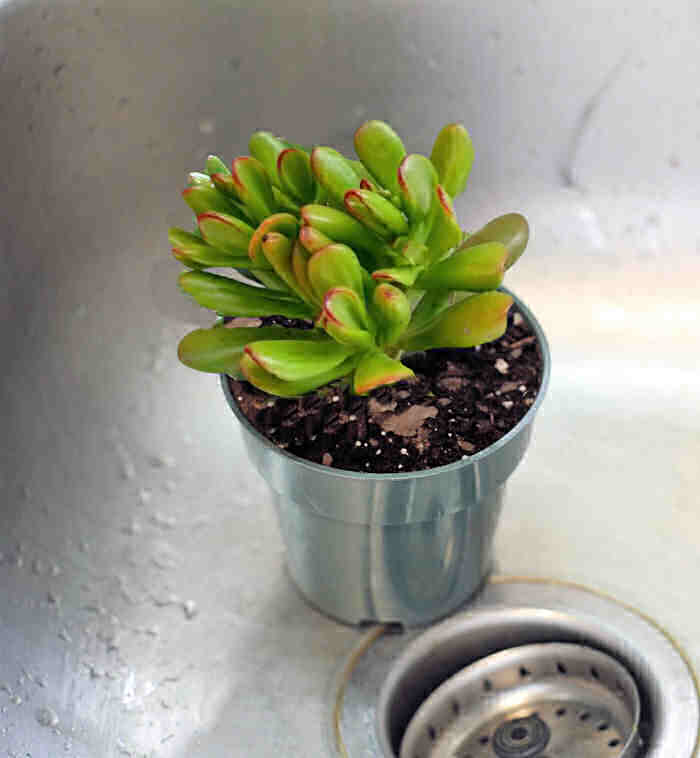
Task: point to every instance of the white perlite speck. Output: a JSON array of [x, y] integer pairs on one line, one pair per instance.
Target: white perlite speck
[[501, 366]]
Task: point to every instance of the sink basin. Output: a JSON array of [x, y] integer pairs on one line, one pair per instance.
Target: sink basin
[[144, 608]]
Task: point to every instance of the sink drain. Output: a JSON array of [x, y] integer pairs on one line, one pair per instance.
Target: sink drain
[[535, 701], [619, 686]]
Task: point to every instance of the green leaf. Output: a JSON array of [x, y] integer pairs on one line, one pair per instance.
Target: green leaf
[[202, 198], [417, 185], [312, 239], [341, 227], [430, 306], [334, 266], [216, 166], [511, 230], [232, 298], [333, 172], [293, 360], [405, 275], [225, 232], [376, 213], [300, 262], [284, 203], [478, 319], [266, 147], [294, 170], [284, 223], [225, 184], [410, 250], [381, 151], [452, 156], [253, 188], [476, 269], [218, 350], [345, 318], [445, 232], [192, 251], [196, 177], [271, 281], [376, 369], [392, 311], [271, 384], [278, 250]]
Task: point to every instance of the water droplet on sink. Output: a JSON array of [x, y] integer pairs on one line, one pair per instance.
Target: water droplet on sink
[[132, 528], [170, 486], [165, 561], [163, 460], [128, 470], [41, 680], [145, 496], [56, 570], [16, 700], [164, 600], [162, 521], [53, 599], [63, 634], [19, 560], [98, 610], [47, 717], [190, 608], [38, 566]]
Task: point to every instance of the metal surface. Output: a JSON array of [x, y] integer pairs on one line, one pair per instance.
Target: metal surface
[[513, 613], [408, 548], [585, 118], [553, 699]]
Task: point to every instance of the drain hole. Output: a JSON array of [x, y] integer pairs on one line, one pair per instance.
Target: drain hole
[[603, 727], [614, 743], [487, 685], [561, 668], [585, 716], [455, 708], [484, 740], [594, 673], [519, 733], [524, 672], [561, 712], [432, 733]]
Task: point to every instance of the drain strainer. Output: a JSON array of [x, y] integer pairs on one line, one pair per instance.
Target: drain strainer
[[550, 700]]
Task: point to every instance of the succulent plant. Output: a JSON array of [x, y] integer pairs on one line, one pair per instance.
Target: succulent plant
[[369, 251]]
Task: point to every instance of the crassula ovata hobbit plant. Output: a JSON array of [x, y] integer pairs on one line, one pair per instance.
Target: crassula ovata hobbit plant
[[368, 250]]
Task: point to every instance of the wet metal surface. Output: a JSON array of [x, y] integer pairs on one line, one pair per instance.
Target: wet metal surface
[[144, 608]]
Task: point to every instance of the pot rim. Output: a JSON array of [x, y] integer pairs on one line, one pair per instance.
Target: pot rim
[[425, 473]]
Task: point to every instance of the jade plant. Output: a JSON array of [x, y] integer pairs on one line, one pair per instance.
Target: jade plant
[[368, 252]]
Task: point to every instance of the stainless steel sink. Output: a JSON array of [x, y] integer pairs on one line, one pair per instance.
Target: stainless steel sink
[[144, 609]]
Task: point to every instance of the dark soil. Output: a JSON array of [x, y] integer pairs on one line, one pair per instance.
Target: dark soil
[[460, 402]]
